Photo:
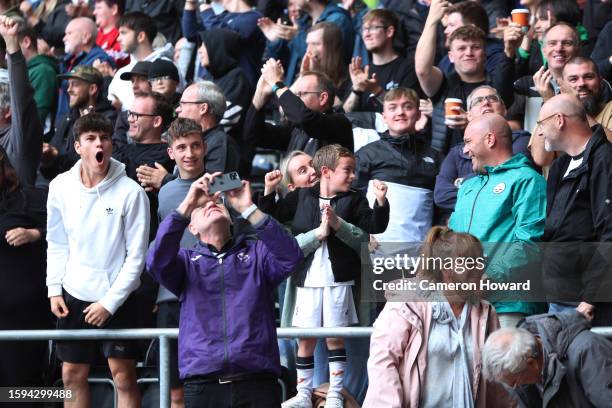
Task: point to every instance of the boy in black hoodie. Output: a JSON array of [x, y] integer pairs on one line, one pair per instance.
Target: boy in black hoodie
[[220, 54], [324, 280]]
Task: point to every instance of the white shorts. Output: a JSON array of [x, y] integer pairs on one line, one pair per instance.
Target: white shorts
[[330, 306]]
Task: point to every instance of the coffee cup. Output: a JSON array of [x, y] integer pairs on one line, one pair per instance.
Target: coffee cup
[[521, 17], [452, 106]]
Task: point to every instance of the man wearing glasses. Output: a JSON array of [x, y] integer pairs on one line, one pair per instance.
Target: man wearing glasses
[[307, 108], [578, 209], [388, 68], [149, 118]]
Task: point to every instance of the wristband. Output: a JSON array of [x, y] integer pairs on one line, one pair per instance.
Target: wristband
[[278, 85], [358, 93], [247, 213]]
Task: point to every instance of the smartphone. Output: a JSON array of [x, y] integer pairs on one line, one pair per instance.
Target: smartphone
[[225, 182]]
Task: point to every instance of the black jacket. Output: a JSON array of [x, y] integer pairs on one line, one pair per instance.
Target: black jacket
[[577, 364], [134, 155], [222, 152], [302, 208], [407, 160], [63, 139], [305, 129], [23, 290], [578, 212]]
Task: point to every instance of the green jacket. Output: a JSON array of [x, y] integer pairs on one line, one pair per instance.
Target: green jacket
[[43, 71], [505, 205]]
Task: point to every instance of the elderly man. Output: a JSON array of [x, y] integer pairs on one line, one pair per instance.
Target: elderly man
[[552, 360], [457, 165], [504, 203], [578, 208], [228, 354], [81, 49]]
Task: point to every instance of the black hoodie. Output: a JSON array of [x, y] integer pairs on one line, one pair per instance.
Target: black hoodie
[[223, 47]]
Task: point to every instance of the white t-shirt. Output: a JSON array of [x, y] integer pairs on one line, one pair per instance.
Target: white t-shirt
[[320, 273]]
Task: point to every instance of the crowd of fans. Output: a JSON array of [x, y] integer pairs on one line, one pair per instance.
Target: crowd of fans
[[452, 124]]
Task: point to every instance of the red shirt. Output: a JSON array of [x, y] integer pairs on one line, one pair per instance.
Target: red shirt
[[108, 42]]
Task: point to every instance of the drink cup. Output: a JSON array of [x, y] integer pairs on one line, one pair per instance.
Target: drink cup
[[452, 106], [521, 17]]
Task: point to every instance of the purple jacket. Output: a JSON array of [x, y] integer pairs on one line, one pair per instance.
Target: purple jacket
[[227, 323]]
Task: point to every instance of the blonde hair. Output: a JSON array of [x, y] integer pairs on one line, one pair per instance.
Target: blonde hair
[[284, 167]]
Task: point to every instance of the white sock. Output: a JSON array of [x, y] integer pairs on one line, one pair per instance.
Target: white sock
[[337, 368], [305, 374]]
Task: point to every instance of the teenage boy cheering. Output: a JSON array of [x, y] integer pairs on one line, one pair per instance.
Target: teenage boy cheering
[[89, 280]]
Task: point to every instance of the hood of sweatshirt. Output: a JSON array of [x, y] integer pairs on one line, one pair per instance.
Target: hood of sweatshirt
[[41, 60], [515, 162], [223, 47], [116, 170]]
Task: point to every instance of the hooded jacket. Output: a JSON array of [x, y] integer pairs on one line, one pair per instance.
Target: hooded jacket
[[227, 320], [577, 371], [409, 167], [22, 140], [223, 46], [243, 23], [457, 167], [398, 355], [43, 71], [63, 139], [505, 205], [104, 270]]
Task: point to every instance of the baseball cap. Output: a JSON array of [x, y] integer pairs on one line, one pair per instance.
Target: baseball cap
[[141, 68], [162, 68], [85, 73]]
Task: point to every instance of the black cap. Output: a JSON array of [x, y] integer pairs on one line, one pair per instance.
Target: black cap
[[162, 68], [141, 68]]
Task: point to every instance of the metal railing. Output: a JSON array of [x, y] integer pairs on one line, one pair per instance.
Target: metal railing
[[164, 335]]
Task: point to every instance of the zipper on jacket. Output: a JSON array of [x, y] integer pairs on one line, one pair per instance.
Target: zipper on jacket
[[223, 313], [474, 204]]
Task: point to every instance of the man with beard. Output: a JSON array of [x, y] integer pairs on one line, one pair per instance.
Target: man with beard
[[84, 89], [581, 77], [578, 209]]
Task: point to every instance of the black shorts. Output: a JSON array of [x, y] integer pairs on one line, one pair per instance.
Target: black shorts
[[168, 317], [87, 351]]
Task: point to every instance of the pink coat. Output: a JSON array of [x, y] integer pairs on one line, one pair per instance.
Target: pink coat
[[400, 338]]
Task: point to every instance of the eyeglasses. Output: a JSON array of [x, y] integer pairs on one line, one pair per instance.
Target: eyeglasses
[[373, 28], [137, 115], [539, 123], [479, 100], [194, 102], [303, 93], [159, 79]]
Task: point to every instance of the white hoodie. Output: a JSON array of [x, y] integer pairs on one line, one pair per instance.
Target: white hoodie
[[97, 237]]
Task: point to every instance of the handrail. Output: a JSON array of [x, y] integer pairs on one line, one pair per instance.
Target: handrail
[[165, 334]]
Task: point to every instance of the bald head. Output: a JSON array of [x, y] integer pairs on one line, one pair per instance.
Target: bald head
[[496, 124], [566, 104], [80, 35], [487, 141], [563, 124]]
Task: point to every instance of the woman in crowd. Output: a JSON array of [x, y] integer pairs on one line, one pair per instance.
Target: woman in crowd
[[427, 353], [22, 273]]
